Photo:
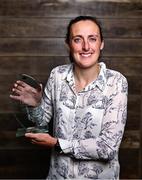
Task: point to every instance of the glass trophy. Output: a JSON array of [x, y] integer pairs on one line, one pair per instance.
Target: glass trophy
[[21, 131], [27, 126], [32, 128]]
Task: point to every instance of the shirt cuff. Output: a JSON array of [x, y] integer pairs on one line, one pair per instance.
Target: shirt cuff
[[65, 145], [33, 108]]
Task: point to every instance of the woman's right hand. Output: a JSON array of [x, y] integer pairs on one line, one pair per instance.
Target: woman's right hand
[[26, 94]]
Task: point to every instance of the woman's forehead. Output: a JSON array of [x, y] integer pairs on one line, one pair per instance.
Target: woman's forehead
[[84, 26]]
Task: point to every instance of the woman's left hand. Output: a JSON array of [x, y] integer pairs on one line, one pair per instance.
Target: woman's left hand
[[43, 139]]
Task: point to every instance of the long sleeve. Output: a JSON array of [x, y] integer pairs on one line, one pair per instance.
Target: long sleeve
[[106, 145], [42, 114]]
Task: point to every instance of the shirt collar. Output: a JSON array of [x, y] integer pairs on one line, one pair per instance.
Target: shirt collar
[[99, 82], [101, 79], [70, 76]]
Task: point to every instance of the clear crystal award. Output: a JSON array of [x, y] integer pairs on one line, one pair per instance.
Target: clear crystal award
[[35, 128]]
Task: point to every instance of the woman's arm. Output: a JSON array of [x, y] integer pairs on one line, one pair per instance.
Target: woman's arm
[[44, 112]]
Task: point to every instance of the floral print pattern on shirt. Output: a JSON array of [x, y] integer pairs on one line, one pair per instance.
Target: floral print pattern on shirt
[[89, 124]]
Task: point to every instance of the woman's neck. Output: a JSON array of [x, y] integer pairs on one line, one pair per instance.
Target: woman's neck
[[83, 77]]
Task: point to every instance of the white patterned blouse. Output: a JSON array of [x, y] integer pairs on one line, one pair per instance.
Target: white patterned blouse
[[89, 125]]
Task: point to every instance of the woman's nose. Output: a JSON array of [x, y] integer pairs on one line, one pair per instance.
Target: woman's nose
[[86, 45]]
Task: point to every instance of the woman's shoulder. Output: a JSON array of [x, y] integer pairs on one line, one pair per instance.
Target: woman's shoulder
[[61, 70], [111, 74], [116, 80], [115, 75]]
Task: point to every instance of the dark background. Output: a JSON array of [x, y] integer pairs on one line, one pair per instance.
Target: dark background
[[32, 41]]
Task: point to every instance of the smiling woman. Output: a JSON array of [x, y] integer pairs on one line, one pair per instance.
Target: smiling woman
[[87, 103]]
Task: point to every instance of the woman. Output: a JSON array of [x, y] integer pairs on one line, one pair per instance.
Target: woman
[[88, 105]]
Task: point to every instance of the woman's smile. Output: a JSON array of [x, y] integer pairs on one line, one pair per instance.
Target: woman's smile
[[85, 55]]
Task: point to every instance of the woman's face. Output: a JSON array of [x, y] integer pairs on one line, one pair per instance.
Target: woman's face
[[85, 43]]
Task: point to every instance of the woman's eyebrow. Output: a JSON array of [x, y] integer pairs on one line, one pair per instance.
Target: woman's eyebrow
[[77, 36], [80, 36], [93, 35]]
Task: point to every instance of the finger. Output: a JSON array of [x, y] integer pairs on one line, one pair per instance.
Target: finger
[[15, 85], [35, 136], [18, 98], [17, 91], [21, 83], [31, 135], [20, 88], [34, 141], [38, 142], [26, 86]]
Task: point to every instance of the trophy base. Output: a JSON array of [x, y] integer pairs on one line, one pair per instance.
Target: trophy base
[[21, 131]]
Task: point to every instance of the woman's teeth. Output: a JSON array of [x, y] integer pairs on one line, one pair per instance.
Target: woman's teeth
[[86, 55]]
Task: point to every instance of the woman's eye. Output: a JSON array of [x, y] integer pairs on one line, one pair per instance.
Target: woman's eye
[[77, 40], [92, 39]]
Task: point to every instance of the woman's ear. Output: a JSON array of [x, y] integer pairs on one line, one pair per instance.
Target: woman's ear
[[102, 45]]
